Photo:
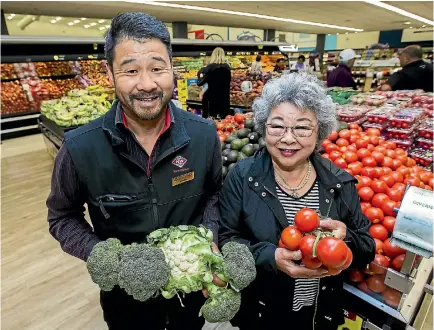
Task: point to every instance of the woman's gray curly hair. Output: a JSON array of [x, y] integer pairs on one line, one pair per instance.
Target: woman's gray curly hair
[[304, 91]]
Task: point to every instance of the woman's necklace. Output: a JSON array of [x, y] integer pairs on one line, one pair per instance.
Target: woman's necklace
[[293, 191]]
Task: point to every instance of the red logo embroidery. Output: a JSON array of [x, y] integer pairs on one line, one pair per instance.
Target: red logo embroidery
[[179, 161]]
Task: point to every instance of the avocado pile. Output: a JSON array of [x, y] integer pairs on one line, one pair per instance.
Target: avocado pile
[[240, 145]]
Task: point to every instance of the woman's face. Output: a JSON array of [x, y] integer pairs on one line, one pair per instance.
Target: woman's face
[[288, 151]]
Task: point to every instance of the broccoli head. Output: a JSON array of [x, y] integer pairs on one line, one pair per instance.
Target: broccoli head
[[143, 271], [222, 304], [239, 265], [103, 263]]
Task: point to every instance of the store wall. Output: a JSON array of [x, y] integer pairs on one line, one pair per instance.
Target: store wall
[[421, 34], [235, 32], [357, 40], [304, 41], [220, 30]]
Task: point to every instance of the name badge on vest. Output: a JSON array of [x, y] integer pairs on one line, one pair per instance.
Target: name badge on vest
[[182, 179]]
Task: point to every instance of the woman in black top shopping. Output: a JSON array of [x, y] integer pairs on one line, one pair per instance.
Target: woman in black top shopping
[[217, 77]]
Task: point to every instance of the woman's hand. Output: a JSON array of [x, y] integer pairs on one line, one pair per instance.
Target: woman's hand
[[338, 228], [284, 261], [215, 279]]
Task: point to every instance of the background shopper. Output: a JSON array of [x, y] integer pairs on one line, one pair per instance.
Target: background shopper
[[342, 76]]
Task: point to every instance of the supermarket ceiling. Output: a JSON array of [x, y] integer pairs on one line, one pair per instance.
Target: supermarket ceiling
[[354, 15]]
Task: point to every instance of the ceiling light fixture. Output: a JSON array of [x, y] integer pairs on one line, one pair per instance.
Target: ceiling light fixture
[[71, 23], [53, 21], [329, 34], [411, 27], [407, 23], [337, 33], [102, 28], [87, 26], [346, 32], [399, 11], [92, 24], [10, 17], [423, 26], [76, 21], [58, 18], [83, 18], [107, 26], [101, 21], [238, 13]]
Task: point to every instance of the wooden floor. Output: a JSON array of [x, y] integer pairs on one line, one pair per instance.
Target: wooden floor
[[43, 288]]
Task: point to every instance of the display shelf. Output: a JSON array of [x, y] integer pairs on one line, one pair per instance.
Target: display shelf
[[199, 104], [53, 127], [17, 115], [50, 58]]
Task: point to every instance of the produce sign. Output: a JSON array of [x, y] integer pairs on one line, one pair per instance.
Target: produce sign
[[77, 108]]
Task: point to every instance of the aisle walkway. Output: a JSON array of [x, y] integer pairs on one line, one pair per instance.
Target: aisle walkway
[[42, 287]]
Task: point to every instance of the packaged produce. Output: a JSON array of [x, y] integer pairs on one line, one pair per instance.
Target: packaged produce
[[426, 130], [24, 70], [36, 92], [401, 133], [426, 144], [422, 157], [77, 108], [369, 99], [351, 114], [404, 144], [380, 115], [380, 127], [7, 71], [405, 118], [13, 98]]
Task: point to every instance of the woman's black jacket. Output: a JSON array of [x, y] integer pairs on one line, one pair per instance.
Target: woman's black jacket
[[252, 214]]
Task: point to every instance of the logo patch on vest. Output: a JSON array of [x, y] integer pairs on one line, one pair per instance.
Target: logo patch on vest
[[182, 178], [179, 161]]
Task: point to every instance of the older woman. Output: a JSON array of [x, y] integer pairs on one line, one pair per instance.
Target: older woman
[[262, 194]]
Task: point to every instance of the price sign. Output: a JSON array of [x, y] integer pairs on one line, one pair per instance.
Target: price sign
[[265, 53], [230, 53], [202, 54]]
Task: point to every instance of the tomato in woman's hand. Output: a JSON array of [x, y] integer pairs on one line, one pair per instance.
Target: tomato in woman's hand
[[291, 237], [348, 261], [379, 186], [306, 220], [378, 231], [391, 250], [392, 297], [389, 223], [332, 252], [374, 214], [376, 283], [356, 276], [397, 262], [334, 271], [379, 265], [311, 263], [378, 246], [281, 245], [366, 193], [306, 245]]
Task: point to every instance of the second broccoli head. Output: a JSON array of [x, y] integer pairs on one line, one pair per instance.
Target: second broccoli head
[[176, 260]]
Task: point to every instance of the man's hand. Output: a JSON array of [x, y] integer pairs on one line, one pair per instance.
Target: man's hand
[[285, 263], [338, 228], [215, 280], [386, 87]]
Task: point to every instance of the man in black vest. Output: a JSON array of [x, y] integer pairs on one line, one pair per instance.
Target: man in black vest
[[144, 165]]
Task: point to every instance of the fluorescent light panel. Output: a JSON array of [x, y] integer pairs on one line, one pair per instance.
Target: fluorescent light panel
[[238, 13], [399, 11]]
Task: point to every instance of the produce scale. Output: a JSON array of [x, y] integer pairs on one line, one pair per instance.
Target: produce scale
[[384, 139]]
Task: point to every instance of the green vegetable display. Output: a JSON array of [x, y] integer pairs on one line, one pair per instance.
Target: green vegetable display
[[78, 107], [341, 95]]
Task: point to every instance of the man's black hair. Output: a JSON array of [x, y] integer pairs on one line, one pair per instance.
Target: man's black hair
[[135, 26], [280, 60], [258, 58], [302, 57]]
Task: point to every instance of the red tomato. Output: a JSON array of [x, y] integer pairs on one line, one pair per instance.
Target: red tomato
[[345, 134], [387, 170], [352, 148], [391, 153], [374, 140], [306, 220], [340, 162], [373, 132], [380, 264], [364, 206], [353, 126], [362, 143], [311, 263], [349, 171], [397, 262], [387, 162], [355, 167], [342, 142], [378, 246], [388, 207], [374, 214], [331, 147], [379, 199], [365, 181], [348, 261], [291, 238], [306, 245], [333, 136], [389, 223], [333, 271], [396, 163], [362, 153], [378, 231], [354, 131], [334, 155], [388, 179], [381, 149], [402, 158], [350, 156], [404, 170], [356, 276], [410, 162], [369, 161], [364, 287], [366, 193], [425, 177], [412, 180], [390, 145], [239, 118], [281, 245], [369, 172], [394, 194], [392, 297], [325, 156], [378, 156], [376, 283], [379, 186], [370, 147], [391, 250], [332, 252], [400, 151]]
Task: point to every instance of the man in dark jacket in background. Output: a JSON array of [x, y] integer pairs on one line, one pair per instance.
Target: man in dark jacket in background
[[144, 165], [415, 73], [342, 76]]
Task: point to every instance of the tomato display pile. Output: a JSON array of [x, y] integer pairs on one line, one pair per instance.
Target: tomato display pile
[[318, 248], [382, 171]]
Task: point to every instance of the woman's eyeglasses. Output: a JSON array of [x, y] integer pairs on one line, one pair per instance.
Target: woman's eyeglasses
[[297, 131]]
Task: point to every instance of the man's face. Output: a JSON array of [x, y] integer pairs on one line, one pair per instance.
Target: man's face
[[281, 64], [402, 58], [143, 77], [351, 62]]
